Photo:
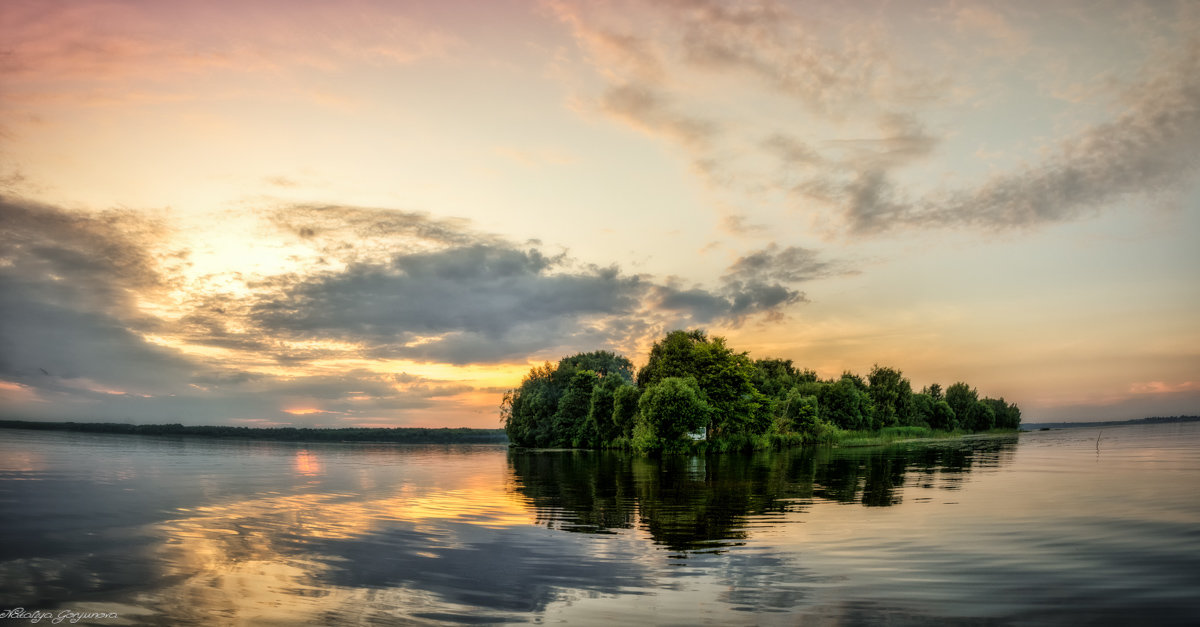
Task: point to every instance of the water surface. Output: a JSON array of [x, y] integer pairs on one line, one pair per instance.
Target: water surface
[[1045, 528]]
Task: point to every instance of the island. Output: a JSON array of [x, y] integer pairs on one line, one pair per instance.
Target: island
[[696, 394]]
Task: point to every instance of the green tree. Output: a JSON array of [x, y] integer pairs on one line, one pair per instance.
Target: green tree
[[674, 407], [922, 410], [983, 417], [600, 411], [1007, 416], [603, 363], [529, 409], [800, 415], [943, 417], [725, 379], [672, 356], [891, 395], [934, 391], [962, 399], [571, 426], [625, 407], [846, 404], [774, 378]]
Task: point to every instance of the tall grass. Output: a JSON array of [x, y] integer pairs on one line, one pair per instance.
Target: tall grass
[[886, 435]]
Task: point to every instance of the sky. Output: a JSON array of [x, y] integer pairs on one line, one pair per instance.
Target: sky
[[382, 213]]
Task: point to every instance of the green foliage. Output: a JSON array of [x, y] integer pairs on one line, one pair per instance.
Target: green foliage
[[982, 417], [691, 381], [528, 411], [725, 379], [800, 417], [672, 356], [922, 410], [962, 398], [644, 439], [846, 404], [625, 407], [674, 407], [1007, 416], [934, 391], [774, 378], [541, 413], [943, 417], [601, 409], [891, 395], [603, 363], [571, 426]]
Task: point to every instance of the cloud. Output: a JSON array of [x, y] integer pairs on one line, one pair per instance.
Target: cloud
[[859, 124], [94, 263], [70, 290], [99, 315], [645, 107], [419, 302], [105, 52], [1152, 147], [792, 264], [785, 51], [494, 302], [350, 234]]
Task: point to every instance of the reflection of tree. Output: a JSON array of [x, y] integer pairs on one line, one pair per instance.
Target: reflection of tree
[[690, 503], [594, 490]]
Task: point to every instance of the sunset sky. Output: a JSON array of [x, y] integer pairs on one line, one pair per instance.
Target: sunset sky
[[383, 213]]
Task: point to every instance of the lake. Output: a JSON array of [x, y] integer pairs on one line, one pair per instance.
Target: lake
[[1077, 526]]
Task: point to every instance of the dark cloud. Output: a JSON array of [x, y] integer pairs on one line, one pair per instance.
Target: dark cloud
[[490, 302], [75, 329], [759, 282], [792, 264], [69, 312], [481, 291]]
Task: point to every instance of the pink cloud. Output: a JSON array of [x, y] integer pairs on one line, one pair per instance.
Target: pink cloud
[[122, 45], [1161, 387]]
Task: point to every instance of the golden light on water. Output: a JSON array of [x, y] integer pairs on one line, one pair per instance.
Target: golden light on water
[[246, 557], [307, 464]]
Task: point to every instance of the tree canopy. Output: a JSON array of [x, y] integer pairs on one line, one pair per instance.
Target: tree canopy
[[693, 381]]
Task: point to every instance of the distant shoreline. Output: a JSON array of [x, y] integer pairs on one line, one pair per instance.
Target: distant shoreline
[[397, 435], [1035, 426]]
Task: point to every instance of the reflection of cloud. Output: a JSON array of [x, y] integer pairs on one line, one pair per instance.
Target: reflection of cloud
[[515, 570], [288, 558]]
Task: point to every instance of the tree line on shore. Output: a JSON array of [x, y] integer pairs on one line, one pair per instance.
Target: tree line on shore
[[693, 384], [398, 435]]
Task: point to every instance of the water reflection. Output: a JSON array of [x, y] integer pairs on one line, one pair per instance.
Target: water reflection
[[979, 530], [307, 463], [704, 503]]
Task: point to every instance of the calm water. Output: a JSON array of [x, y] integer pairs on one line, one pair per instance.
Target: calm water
[[1044, 528]]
